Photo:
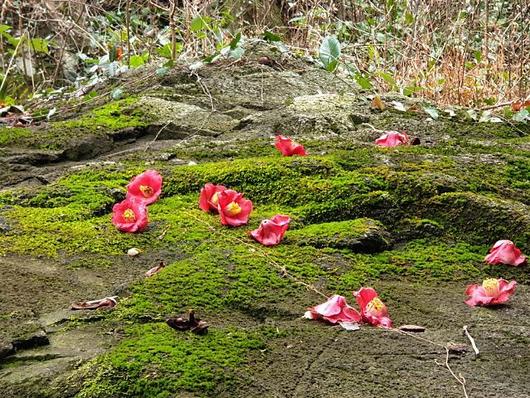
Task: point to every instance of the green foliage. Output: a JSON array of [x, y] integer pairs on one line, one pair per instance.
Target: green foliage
[[329, 53]]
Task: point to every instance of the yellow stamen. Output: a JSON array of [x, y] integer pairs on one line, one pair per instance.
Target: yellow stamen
[[146, 190], [215, 199], [491, 286], [375, 305], [129, 215], [233, 209]]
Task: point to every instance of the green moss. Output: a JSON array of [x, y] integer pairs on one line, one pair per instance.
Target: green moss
[[115, 115], [156, 361], [105, 120], [364, 235], [9, 135]]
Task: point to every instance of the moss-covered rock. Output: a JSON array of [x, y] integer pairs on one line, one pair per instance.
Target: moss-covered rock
[[360, 235], [441, 204]]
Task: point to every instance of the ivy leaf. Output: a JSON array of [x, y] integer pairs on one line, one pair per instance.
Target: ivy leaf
[[329, 53]]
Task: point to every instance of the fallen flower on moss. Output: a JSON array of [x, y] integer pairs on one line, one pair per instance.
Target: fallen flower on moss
[[145, 187], [233, 208], [130, 216], [335, 310], [505, 252], [209, 197], [192, 323], [155, 270], [373, 310], [107, 302], [270, 232], [491, 292], [288, 147], [392, 139]]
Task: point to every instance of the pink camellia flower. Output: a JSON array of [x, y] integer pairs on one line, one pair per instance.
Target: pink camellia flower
[[209, 197], [130, 216], [392, 139], [288, 147], [491, 292], [335, 310], [233, 208], [145, 187], [373, 310], [270, 232], [505, 252]]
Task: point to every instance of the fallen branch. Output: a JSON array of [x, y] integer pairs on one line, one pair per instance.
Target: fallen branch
[[471, 340]]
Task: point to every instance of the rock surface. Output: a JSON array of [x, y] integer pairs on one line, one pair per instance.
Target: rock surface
[[414, 222]]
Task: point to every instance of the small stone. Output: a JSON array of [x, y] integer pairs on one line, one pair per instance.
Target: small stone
[[133, 252]]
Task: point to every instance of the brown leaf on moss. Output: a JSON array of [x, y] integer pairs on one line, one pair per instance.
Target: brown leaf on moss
[[192, 323]]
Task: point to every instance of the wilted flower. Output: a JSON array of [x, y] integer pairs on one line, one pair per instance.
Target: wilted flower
[[130, 216], [491, 292], [373, 310], [145, 187], [288, 147], [233, 208], [392, 139], [335, 310], [270, 232], [505, 252], [209, 197]]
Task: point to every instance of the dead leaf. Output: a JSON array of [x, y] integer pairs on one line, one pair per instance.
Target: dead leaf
[[377, 103], [457, 348], [194, 324], [412, 328], [14, 116], [107, 302], [518, 105]]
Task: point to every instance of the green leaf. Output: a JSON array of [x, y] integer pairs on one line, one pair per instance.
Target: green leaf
[[409, 90], [199, 23], [521, 116], [271, 37], [166, 50], [235, 42], [433, 113], [388, 78], [329, 53], [363, 81], [136, 61]]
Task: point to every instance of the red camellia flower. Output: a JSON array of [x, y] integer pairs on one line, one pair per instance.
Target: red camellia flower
[[392, 138], [130, 216], [373, 310], [233, 208], [270, 232], [209, 197], [505, 252], [288, 147], [491, 292], [335, 310], [145, 187]]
